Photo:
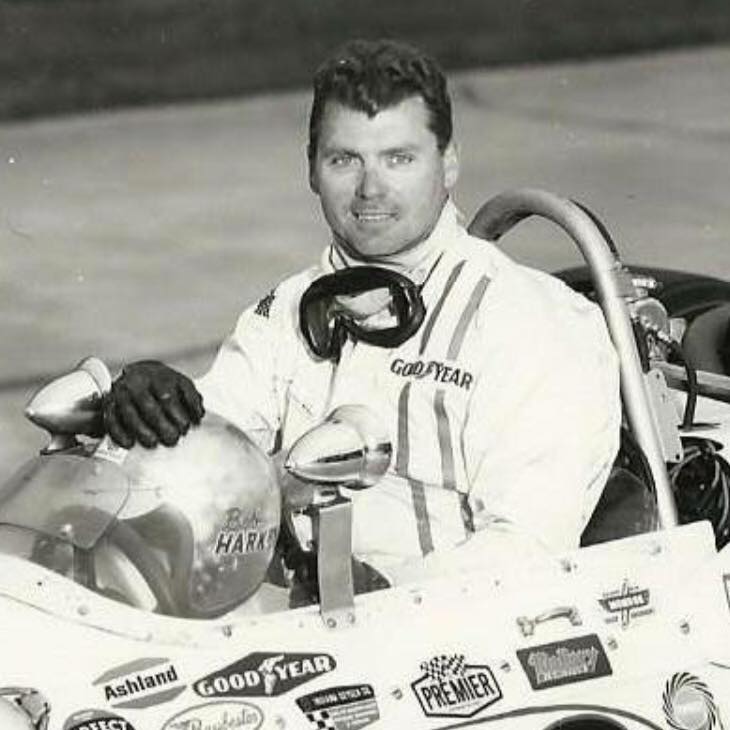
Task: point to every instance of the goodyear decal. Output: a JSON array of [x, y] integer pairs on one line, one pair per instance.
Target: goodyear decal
[[140, 683], [449, 687], [264, 674], [433, 370]]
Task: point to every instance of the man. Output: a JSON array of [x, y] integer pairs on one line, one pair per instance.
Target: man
[[498, 384]]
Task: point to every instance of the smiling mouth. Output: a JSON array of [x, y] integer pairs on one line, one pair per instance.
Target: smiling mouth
[[372, 216]]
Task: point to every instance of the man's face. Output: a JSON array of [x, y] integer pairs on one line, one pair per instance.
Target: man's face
[[381, 180]]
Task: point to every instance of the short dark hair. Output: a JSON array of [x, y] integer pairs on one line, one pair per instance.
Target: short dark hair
[[371, 75]]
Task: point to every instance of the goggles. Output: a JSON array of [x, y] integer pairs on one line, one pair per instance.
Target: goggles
[[326, 320]]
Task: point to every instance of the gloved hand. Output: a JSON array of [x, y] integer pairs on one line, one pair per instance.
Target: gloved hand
[[150, 403]]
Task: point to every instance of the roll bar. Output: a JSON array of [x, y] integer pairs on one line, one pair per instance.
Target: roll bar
[[614, 287]]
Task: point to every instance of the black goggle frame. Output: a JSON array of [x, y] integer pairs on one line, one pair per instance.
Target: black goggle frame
[[325, 326]]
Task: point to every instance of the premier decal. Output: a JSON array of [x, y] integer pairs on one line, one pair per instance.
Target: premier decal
[[264, 674], [439, 372], [341, 708], [626, 603], [217, 716], [688, 703], [140, 683], [449, 687], [565, 662], [241, 536], [96, 720]]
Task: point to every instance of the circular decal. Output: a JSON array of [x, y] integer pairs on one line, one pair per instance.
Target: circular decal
[[96, 720], [689, 704]]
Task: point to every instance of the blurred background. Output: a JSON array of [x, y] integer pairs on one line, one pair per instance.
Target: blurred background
[[152, 168]]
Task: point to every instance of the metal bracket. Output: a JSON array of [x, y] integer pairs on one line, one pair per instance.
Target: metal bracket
[[332, 534], [665, 415]]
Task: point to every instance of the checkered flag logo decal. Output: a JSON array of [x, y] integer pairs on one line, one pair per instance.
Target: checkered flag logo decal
[[444, 666], [321, 720]]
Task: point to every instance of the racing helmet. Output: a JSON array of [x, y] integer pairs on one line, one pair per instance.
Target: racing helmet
[[187, 531]]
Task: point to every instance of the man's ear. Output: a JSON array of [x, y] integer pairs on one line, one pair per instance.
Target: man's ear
[[313, 177], [451, 165]]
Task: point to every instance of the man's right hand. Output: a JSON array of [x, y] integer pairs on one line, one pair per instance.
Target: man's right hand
[[151, 403]]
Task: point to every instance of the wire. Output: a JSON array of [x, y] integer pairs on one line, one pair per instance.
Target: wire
[[598, 223], [701, 485], [692, 387]]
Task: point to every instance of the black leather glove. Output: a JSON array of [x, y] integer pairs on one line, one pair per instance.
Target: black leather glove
[[151, 403]]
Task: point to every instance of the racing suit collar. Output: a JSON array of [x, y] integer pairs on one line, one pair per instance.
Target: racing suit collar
[[415, 263]]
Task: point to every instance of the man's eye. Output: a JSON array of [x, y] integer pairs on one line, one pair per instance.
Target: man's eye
[[400, 158], [341, 160]]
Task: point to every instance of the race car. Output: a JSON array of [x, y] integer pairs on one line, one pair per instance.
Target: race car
[[133, 597]]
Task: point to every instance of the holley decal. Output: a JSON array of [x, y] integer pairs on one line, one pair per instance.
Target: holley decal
[[140, 683], [625, 603], [263, 674], [96, 720], [450, 687], [217, 716], [565, 662], [341, 708]]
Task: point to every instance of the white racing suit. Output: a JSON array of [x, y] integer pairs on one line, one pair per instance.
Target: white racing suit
[[503, 409]]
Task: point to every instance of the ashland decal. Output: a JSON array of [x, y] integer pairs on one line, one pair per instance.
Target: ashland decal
[[140, 683]]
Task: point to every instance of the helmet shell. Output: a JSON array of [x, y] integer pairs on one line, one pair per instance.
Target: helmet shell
[[211, 505]]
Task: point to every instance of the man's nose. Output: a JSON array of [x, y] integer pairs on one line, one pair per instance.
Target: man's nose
[[370, 184]]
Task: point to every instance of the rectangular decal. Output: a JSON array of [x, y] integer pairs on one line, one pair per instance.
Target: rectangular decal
[[341, 708], [449, 687], [565, 662]]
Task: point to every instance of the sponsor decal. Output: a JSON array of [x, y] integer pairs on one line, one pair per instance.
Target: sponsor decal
[[217, 716], [688, 704], [96, 720], [450, 687], [241, 535], [264, 674], [341, 708], [140, 683], [565, 662], [439, 372], [263, 308], [626, 603]]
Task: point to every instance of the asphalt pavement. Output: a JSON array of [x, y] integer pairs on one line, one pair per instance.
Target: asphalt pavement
[[143, 233]]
